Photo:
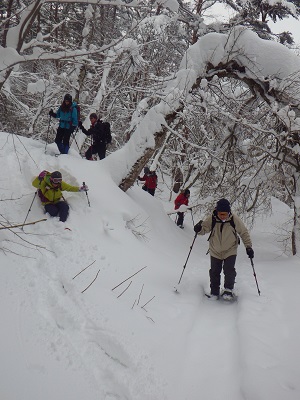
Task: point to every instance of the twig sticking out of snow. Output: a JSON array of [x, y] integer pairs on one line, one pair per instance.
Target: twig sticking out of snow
[[28, 223], [124, 290], [140, 294], [83, 269], [91, 282], [147, 303], [128, 278]]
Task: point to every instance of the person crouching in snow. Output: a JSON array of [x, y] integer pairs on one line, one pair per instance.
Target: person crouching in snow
[[50, 187], [224, 228], [181, 199]]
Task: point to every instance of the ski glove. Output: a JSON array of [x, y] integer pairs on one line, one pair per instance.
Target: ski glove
[[79, 124], [250, 252], [52, 113], [83, 188], [198, 227]]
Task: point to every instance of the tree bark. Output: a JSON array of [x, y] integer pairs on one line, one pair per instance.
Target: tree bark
[[159, 137]]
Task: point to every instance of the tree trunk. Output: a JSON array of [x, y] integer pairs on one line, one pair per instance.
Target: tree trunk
[[159, 138], [296, 227]]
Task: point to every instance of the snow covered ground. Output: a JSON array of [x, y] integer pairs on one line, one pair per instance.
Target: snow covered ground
[[64, 339]]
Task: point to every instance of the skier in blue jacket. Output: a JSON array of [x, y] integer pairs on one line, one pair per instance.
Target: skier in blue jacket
[[68, 120]]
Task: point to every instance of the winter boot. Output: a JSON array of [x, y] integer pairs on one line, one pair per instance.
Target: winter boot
[[227, 294]]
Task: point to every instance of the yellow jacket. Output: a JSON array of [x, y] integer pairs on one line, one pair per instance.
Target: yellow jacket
[[50, 194]]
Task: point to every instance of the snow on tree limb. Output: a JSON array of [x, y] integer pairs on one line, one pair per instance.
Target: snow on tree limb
[[269, 66]]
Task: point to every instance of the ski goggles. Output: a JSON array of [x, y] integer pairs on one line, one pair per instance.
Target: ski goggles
[[56, 180]]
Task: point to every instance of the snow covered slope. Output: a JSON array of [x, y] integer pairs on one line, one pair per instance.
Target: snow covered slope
[[64, 336]]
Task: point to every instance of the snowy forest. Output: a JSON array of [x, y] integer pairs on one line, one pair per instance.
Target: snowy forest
[[210, 104]]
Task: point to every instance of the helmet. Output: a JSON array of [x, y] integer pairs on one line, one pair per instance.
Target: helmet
[[56, 177], [146, 170], [68, 97], [186, 192]]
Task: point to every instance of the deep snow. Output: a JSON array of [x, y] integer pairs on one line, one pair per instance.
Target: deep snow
[[60, 343]]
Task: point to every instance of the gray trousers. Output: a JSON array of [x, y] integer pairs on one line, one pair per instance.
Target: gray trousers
[[216, 266]]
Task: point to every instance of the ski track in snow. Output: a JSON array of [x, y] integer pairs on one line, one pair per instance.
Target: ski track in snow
[[209, 361]]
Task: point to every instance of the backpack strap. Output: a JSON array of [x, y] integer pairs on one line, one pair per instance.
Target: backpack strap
[[235, 232], [213, 224]]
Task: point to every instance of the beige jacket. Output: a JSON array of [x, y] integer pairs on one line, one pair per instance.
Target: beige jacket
[[224, 241]]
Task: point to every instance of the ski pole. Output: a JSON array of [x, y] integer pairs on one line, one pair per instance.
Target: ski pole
[[187, 258], [254, 274], [48, 132], [192, 217], [29, 209], [74, 137], [87, 195]]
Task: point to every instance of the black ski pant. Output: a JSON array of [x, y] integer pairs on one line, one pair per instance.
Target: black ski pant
[[216, 266], [62, 140], [180, 218], [151, 191], [61, 209], [94, 149]]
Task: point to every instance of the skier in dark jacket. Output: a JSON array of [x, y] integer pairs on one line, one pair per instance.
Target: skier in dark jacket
[[223, 243], [68, 120], [100, 137], [150, 179], [181, 199]]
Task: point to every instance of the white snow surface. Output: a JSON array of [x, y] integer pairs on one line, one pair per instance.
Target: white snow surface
[[60, 341]]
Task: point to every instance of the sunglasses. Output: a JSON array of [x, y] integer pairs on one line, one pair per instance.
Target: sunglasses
[[56, 180]]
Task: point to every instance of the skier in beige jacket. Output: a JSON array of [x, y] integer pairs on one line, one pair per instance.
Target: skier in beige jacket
[[224, 228]]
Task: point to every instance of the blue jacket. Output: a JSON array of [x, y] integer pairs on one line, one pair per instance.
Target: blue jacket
[[69, 118]]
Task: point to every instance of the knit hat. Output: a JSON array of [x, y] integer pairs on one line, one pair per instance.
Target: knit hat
[[223, 205], [186, 192], [68, 97]]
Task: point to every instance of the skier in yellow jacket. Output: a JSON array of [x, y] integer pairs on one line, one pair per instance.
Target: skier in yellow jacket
[[224, 228], [50, 187]]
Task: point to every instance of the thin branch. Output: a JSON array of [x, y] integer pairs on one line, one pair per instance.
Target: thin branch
[[91, 282], [124, 290], [128, 278], [28, 223], [150, 319], [140, 295], [148, 302], [133, 304], [83, 269]]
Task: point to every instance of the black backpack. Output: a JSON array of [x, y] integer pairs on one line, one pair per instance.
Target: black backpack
[[213, 224], [106, 128]]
